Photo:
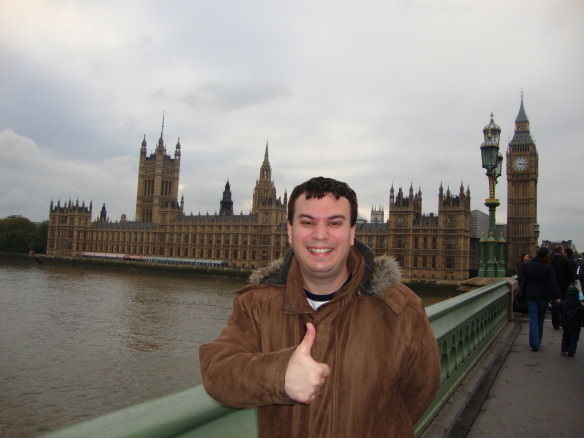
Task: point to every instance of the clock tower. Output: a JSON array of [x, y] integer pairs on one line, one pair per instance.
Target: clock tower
[[522, 175]]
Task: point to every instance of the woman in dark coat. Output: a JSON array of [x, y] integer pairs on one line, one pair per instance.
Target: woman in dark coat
[[540, 287]]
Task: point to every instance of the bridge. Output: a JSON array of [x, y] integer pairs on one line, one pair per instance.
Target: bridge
[[484, 390]]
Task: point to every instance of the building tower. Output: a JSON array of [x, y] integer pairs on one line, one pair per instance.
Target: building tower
[[454, 220], [226, 204], [68, 227], [404, 213], [522, 175], [157, 193], [377, 215], [264, 193]]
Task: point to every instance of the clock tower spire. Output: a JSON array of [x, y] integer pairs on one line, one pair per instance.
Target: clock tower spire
[[522, 175]]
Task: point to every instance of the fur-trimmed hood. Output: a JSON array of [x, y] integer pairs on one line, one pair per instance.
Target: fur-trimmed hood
[[380, 272]]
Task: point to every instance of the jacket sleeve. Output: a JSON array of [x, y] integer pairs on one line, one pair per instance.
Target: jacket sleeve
[[234, 369], [553, 285], [421, 375]]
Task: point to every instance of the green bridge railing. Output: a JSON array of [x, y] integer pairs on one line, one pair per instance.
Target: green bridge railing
[[464, 326]]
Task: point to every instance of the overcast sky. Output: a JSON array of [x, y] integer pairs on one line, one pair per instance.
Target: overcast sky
[[374, 93]]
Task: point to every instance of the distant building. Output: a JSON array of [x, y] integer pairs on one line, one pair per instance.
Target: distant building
[[479, 229], [435, 248], [377, 215], [565, 243]]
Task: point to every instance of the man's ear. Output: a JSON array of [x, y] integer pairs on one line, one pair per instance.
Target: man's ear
[[289, 228]]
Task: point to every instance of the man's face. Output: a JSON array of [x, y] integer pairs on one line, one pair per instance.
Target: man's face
[[321, 236]]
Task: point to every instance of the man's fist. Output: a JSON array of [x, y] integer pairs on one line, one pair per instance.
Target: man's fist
[[304, 375]]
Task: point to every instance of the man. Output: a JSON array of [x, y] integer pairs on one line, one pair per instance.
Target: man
[[539, 282], [565, 275], [326, 342]]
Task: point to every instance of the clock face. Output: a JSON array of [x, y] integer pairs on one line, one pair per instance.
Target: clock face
[[520, 164]]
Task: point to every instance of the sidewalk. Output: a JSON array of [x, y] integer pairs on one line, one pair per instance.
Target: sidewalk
[[517, 393]]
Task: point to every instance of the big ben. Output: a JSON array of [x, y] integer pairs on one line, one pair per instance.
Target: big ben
[[522, 176]]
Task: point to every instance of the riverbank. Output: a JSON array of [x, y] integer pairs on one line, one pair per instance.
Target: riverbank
[[128, 265]]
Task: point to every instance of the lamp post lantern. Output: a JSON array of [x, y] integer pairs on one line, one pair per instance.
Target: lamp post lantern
[[492, 262]]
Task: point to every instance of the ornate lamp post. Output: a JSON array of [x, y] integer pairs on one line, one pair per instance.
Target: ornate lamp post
[[492, 263]]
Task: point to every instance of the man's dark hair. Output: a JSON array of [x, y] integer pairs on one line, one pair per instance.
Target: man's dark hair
[[542, 252], [318, 187]]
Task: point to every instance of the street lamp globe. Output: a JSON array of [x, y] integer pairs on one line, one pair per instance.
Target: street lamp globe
[[490, 146]]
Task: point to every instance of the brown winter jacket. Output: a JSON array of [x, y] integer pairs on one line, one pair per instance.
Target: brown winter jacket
[[373, 334]]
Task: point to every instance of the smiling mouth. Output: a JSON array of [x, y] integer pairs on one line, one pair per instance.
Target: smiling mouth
[[320, 250]]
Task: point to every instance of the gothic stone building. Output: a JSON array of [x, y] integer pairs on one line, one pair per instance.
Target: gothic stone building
[[430, 247], [522, 177]]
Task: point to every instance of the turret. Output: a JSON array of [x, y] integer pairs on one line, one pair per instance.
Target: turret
[[226, 204], [143, 147], [177, 150]]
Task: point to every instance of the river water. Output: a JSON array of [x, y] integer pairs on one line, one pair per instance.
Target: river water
[[80, 342]]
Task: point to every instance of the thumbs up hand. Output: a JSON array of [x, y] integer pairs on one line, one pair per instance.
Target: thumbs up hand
[[304, 375]]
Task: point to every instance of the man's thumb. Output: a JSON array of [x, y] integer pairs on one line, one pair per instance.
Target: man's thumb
[[309, 337]]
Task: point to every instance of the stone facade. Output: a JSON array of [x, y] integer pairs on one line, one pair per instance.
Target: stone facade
[[434, 248]]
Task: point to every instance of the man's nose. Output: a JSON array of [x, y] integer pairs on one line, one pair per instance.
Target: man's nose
[[320, 231]]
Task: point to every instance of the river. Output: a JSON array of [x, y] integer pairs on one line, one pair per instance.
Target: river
[[80, 342]]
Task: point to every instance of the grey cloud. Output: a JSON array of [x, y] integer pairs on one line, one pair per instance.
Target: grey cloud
[[232, 96]]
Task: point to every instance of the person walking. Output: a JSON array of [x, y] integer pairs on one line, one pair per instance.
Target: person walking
[[572, 313], [327, 342], [565, 276], [540, 287], [519, 300]]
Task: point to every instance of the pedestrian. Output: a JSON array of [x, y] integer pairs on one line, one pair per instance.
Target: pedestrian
[[540, 287], [524, 259], [327, 342], [575, 265], [572, 313], [565, 275], [519, 299]]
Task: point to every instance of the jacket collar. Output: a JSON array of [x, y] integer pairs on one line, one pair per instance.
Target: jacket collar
[[373, 274]]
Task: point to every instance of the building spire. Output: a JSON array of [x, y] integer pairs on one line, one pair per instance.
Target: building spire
[[521, 116], [521, 136], [160, 147], [266, 159]]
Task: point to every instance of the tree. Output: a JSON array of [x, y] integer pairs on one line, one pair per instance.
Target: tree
[[38, 242], [20, 235]]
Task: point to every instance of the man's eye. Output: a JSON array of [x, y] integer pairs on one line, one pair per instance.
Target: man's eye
[[336, 223], [306, 222]]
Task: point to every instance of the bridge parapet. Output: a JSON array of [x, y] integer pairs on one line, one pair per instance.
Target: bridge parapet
[[464, 326]]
